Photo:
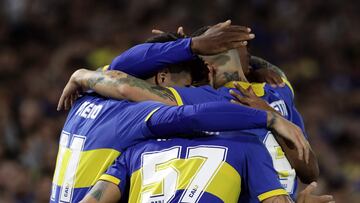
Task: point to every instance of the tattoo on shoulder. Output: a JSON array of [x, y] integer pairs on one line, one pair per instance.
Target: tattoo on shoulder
[[98, 190], [231, 76]]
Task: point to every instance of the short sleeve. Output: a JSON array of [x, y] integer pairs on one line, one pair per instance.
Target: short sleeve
[[117, 173], [144, 60]]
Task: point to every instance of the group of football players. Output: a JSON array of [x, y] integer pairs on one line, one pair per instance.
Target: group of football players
[[184, 119]]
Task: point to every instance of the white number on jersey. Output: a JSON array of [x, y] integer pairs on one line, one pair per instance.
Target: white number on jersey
[[213, 157], [76, 146]]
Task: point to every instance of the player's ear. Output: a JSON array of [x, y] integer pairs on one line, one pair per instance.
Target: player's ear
[[162, 77]]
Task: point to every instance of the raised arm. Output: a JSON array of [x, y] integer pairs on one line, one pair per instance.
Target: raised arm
[[146, 59]]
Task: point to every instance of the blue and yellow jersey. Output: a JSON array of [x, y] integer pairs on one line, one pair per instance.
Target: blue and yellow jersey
[[280, 98], [96, 131], [213, 169]]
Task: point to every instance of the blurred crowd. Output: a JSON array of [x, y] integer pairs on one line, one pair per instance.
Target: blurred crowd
[[316, 43]]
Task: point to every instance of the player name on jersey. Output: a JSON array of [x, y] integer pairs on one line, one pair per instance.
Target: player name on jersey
[[89, 110]]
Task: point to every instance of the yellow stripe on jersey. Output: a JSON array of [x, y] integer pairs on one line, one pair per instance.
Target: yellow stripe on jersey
[[110, 179], [105, 68], [177, 96], [289, 85], [257, 87], [226, 184], [272, 193], [151, 113], [92, 165]]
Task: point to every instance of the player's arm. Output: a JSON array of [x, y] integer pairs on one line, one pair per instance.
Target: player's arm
[[103, 192], [307, 172], [113, 84], [148, 58], [223, 116], [111, 184]]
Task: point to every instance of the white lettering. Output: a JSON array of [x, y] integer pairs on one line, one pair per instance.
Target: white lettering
[[89, 110], [82, 108], [95, 111]]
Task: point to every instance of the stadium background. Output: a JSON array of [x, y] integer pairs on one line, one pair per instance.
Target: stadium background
[[317, 43]]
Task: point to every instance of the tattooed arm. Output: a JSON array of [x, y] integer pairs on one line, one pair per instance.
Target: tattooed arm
[[103, 192], [114, 84]]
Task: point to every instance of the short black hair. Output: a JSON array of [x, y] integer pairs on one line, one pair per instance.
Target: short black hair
[[196, 66]]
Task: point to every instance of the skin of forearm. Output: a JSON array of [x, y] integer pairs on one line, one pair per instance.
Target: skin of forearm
[[103, 192], [306, 172], [119, 85], [278, 199]]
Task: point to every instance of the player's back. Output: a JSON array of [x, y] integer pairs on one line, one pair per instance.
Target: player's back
[[96, 131], [212, 169]]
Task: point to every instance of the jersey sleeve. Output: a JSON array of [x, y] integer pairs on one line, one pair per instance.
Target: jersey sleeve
[[117, 173], [211, 116], [261, 178], [146, 59]]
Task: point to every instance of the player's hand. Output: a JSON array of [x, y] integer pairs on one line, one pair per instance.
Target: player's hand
[[70, 93], [220, 38], [266, 75], [305, 196], [290, 132], [180, 31], [249, 98]]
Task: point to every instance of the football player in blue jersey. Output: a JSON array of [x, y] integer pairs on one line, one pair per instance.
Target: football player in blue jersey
[[259, 185], [230, 74], [98, 129]]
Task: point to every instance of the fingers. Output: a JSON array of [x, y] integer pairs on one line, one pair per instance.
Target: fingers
[[238, 36], [326, 199], [60, 103], [238, 87], [238, 97], [307, 152], [310, 188], [224, 24], [237, 28], [305, 145], [156, 31], [180, 31]]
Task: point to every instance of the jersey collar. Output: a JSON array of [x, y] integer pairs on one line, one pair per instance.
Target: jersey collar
[[257, 87]]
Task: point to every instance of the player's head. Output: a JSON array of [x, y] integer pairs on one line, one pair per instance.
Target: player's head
[[227, 66], [180, 74]]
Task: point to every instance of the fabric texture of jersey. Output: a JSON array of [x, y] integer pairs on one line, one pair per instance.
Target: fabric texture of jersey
[[281, 99], [95, 133], [212, 169]]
